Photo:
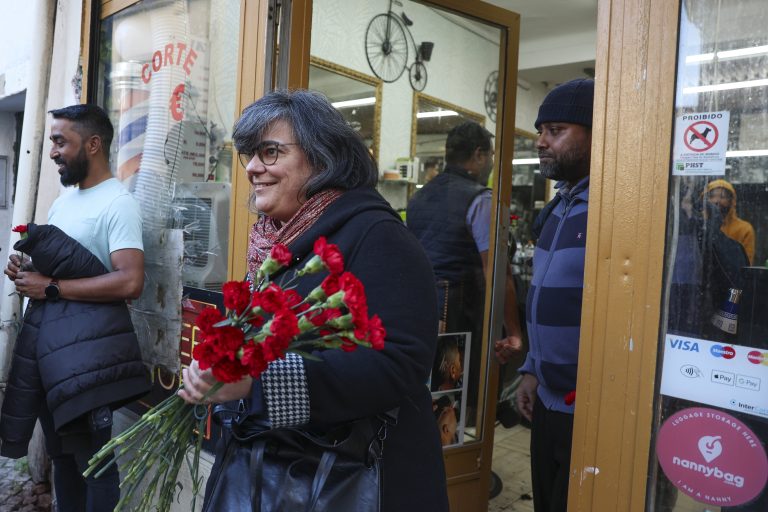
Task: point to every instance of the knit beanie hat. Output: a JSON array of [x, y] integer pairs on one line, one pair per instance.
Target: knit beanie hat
[[570, 102]]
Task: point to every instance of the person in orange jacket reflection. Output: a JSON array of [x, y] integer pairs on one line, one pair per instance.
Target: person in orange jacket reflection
[[722, 194]]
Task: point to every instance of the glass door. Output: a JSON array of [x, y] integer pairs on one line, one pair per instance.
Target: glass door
[[405, 74], [711, 426]]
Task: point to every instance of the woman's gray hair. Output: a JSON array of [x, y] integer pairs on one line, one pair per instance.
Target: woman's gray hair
[[335, 152]]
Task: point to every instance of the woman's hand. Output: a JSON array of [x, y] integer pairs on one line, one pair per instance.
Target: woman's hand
[[197, 383]]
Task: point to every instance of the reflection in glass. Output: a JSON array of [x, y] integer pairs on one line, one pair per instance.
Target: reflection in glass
[[167, 79], [411, 149], [356, 95], [715, 321], [433, 120]]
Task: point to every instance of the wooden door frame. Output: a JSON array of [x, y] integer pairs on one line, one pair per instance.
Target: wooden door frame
[[468, 467], [631, 143]]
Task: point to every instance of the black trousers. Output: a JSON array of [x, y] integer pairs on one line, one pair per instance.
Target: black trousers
[[551, 436], [69, 456]]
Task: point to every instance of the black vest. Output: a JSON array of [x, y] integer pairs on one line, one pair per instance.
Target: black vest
[[437, 216]]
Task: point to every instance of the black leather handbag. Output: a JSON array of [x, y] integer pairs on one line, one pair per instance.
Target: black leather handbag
[[293, 470]]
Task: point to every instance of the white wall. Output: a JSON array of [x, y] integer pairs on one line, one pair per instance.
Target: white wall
[[7, 137], [62, 91], [16, 44]]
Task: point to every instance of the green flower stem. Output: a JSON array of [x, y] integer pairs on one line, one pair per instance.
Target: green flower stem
[[159, 441]]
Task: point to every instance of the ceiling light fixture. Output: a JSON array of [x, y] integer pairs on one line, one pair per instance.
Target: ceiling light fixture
[[738, 53], [525, 161], [746, 153], [727, 86], [437, 113], [354, 103]]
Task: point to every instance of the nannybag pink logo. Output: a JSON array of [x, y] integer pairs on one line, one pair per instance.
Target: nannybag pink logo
[[712, 457]]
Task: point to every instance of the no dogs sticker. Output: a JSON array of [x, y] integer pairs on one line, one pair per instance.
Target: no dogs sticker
[[701, 140]]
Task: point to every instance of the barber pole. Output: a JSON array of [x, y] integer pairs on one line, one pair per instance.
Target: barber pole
[[133, 96]]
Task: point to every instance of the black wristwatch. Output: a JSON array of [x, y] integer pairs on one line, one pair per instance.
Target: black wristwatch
[[52, 291]]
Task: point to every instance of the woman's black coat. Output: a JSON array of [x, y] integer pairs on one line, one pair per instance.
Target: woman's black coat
[[78, 356], [399, 285]]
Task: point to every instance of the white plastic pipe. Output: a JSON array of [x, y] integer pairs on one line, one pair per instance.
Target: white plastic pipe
[[29, 166]]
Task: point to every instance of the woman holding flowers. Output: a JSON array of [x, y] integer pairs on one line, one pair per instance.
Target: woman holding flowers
[[313, 184]]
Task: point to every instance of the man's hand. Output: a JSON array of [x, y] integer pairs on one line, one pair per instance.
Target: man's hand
[[30, 284], [16, 264], [526, 395], [197, 383], [505, 348]]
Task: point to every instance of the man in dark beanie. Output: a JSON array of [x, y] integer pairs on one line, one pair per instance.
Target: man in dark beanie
[[547, 391], [451, 217]]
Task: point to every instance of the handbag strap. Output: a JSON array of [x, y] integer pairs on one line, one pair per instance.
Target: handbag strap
[[256, 466], [321, 476]]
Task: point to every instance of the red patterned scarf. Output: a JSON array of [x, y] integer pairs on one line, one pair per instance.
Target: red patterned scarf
[[267, 232]]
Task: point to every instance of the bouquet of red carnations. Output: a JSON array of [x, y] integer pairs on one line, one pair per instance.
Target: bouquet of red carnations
[[262, 323]]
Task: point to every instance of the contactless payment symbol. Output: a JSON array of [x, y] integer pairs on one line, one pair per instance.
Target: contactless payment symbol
[[712, 457]]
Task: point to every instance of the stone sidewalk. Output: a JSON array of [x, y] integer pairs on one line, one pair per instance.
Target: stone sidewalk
[[18, 493]]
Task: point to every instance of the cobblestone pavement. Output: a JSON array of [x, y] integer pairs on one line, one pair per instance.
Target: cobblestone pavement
[[18, 493]]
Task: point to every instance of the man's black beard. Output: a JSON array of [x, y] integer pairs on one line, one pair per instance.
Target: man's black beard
[[76, 171], [570, 166]]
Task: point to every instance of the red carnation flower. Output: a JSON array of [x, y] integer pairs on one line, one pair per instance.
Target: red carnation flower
[[354, 299], [330, 254], [207, 318], [237, 295], [324, 315], [21, 228], [227, 370], [226, 341], [330, 284], [281, 254], [272, 299], [253, 358], [294, 301], [206, 355], [284, 324], [570, 397], [348, 345], [376, 333]]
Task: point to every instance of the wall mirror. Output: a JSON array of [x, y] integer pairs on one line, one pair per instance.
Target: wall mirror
[[432, 119], [356, 95]]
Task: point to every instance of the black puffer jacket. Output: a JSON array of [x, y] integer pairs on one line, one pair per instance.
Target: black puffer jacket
[[78, 356]]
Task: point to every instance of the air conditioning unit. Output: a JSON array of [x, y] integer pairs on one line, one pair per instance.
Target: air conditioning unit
[[408, 168], [201, 210]]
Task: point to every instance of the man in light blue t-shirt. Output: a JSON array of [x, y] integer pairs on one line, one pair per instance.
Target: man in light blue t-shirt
[[103, 217]]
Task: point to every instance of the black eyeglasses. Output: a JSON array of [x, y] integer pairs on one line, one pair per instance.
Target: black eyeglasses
[[267, 151]]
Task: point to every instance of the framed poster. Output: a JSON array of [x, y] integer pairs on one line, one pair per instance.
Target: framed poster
[[448, 386]]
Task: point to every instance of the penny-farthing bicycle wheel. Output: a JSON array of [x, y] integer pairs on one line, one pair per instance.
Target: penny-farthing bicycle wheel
[[417, 75], [386, 47]]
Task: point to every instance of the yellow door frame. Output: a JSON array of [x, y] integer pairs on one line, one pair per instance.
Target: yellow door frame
[[631, 138], [468, 468]]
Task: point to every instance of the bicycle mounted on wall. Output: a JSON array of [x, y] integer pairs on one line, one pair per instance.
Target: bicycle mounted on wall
[[386, 48]]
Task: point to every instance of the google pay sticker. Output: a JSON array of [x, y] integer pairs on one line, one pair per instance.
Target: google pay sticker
[[701, 140]]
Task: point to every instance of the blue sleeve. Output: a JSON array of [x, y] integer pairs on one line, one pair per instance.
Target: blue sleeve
[[479, 220]]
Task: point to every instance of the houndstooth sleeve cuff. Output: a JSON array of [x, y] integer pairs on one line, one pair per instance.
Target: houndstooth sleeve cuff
[[286, 392]]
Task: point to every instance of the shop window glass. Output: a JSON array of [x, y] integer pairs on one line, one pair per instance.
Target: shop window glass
[[167, 76], [711, 426]]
